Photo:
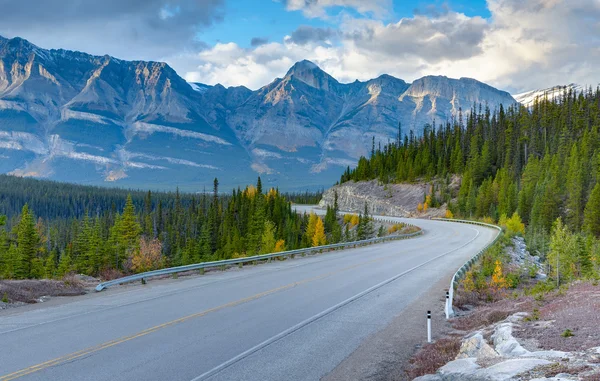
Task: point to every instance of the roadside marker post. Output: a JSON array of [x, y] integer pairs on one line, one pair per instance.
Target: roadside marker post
[[429, 326], [447, 309]]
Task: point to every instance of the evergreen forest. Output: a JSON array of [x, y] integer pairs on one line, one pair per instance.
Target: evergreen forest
[[539, 164], [50, 229]]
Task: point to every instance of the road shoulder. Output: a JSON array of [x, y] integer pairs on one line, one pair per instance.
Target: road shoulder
[[384, 355]]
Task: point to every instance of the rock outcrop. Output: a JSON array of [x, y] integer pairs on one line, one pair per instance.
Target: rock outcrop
[[504, 358], [399, 200]]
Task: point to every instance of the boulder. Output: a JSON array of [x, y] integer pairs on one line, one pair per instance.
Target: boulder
[[505, 343], [476, 346]]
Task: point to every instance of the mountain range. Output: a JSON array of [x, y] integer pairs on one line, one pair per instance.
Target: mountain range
[[528, 98], [76, 117]]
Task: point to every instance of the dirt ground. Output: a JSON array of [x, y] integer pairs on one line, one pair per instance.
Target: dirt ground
[[15, 292], [576, 309]]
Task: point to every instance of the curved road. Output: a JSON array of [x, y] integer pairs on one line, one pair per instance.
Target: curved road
[[289, 320]]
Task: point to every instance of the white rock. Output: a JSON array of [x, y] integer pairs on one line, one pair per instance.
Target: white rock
[[461, 366], [547, 354], [429, 377], [510, 368], [476, 346], [504, 342]]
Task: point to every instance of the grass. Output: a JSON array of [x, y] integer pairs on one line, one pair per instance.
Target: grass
[[433, 356], [567, 333]]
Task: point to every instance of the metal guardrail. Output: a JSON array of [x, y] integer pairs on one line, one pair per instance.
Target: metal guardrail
[[255, 258], [464, 268]]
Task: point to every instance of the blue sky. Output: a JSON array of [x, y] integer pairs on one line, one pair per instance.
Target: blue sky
[[246, 19], [514, 45]]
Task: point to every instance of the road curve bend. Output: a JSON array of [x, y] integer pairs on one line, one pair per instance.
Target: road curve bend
[[287, 320]]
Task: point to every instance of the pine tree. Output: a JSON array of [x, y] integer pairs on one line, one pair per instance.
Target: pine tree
[[27, 243], [592, 212], [575, 183], [268, 242], [64, 265], [128, 231]]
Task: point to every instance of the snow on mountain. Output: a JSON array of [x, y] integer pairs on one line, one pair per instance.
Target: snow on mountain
[[528, 98], [76, 117]]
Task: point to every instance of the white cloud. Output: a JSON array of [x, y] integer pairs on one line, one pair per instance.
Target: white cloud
[[524, 45], [318, 8]]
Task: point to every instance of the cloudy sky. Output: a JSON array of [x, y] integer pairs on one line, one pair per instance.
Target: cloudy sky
[[516, 45]]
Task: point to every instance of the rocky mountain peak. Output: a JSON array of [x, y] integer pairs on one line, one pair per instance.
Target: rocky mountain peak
[[311, 74], [77, 117]]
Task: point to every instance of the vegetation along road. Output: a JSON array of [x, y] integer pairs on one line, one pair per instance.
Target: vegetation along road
[[295, 319]]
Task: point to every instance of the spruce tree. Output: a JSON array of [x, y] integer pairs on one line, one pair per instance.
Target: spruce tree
[[592, 212], [27, 243]]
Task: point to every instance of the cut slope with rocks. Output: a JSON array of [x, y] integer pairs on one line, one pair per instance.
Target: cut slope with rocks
[[530, 333], [400, 200]]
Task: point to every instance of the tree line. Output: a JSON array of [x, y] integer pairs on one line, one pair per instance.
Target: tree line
[[541, 163], [108, 232]]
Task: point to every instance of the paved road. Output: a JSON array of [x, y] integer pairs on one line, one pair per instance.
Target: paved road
[[290, 320]]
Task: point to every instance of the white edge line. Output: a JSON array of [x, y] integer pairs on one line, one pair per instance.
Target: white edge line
[[318, 316]]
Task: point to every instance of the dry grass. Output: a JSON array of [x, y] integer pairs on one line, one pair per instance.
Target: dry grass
[[30, 291], [110, 274], [551, 370], [575, 309], [410, 229], [433, 356], [482, 317]]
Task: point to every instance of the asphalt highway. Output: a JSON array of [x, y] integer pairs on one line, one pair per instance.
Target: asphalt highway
[[287, 320]]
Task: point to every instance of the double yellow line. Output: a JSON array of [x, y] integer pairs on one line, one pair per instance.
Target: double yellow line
[[97, 348]]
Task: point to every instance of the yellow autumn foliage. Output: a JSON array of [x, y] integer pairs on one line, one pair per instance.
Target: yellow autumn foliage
[[279, 246], [352, 219], [272, 193], [319, 238], [250, 191], [469, 281], [498, 280], [396, 227]]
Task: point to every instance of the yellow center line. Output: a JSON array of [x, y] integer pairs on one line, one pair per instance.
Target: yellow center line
[[90, 350]]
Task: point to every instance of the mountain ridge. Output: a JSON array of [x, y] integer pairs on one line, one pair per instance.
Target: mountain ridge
[[77, 117]]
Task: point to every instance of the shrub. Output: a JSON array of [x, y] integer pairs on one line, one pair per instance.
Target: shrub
[[514, 225], [512, 280], [541, 288], [567, 333], [432, 356], [396, 227], [498, 280]]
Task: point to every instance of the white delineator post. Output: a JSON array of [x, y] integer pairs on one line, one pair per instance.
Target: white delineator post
[[429, 326], [447, 309]]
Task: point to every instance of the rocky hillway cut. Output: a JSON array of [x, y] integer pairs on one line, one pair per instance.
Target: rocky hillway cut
[[75, 117]]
